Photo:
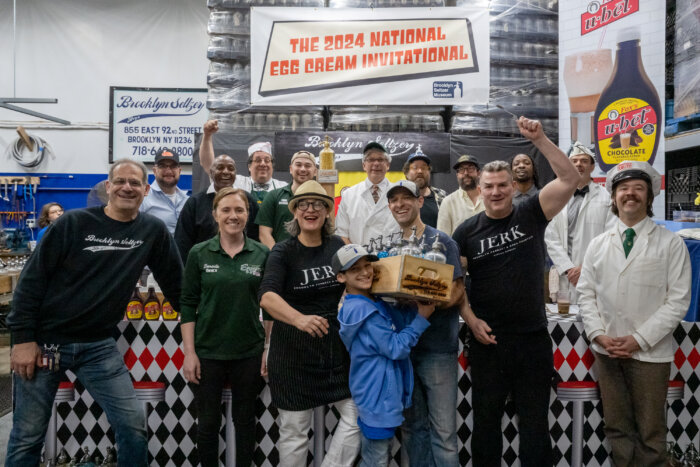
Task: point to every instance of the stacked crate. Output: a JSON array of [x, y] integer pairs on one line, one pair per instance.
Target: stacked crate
[[524, 71], [228, 78]]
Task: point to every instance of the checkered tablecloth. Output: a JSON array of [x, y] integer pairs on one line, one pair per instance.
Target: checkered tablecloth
[[152, 352]]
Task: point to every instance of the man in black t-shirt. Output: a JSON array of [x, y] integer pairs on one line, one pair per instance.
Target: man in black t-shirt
[[72, 293], [512, 352]]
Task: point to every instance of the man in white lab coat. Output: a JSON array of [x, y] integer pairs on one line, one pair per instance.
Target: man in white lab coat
[[364, 213], [585, 216], [633, 291]]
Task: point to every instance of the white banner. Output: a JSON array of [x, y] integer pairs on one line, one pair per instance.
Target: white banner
[[363, 56], [144, 120]]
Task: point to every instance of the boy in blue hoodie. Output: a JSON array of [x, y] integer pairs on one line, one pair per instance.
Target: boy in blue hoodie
[[379, 338]]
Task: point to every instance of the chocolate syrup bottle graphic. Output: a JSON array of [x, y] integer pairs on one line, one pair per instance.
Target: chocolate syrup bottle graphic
[[151, 307], [134, 309], [628, 116]]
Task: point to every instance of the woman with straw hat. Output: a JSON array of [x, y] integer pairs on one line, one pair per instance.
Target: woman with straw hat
[[307, 364]]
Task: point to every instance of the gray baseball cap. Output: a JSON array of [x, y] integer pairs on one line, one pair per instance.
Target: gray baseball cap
[[349, 254]]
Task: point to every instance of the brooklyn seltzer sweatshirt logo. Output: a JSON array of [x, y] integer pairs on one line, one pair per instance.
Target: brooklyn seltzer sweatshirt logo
[[109, 243]]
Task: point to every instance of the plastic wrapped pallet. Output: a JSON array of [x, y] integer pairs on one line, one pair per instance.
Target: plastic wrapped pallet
[[687, 59], [271, 118], [389, 119]]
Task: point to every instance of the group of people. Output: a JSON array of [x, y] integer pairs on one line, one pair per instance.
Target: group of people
[[252, 243]]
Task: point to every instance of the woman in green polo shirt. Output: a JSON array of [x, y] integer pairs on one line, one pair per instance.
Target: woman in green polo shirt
[[222, 334]]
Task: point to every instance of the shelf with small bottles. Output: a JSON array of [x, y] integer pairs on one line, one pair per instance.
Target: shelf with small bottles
[[270, 118], [234, 4], [384, 3], [427, 119]]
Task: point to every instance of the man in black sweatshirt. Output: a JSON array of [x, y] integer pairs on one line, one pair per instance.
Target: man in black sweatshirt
[[71, 294]]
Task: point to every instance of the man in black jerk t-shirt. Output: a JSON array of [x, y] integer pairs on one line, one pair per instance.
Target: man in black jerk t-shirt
[[512, 352], [70, 296]]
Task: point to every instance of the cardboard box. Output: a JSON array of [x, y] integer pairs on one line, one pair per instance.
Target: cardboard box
[[5, 283], [411, 277]]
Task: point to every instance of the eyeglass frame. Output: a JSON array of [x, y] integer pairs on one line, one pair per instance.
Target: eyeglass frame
[[316, 203]]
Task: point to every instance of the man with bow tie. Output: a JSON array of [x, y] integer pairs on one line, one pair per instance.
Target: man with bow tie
[[633, 292], [585, 216]]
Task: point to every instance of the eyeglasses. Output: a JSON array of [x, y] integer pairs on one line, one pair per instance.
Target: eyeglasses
[[469, 168], [168, 166], [121, 182], [304, 205], [375, 161]]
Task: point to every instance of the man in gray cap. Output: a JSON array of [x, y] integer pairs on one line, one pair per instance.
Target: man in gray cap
[[633, 292], [430, 431], [466, 200], [585, 216], [417, 169]]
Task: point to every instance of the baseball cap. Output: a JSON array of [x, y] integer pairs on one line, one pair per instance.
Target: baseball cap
[[349, 254], [373, 145], [627, 170], [166, 154], [467, 158], [406, 185], [419, 155], [303, 155]]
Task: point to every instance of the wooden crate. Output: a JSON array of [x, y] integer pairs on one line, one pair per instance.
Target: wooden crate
[[5, 283], [411, 277]]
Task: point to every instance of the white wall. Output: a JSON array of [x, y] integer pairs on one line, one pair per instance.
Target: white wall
[[75, 50]]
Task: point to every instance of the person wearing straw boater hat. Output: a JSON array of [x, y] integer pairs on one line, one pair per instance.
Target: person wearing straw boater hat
[[585, 216], [274, 212], [308, 364], [634, 290]]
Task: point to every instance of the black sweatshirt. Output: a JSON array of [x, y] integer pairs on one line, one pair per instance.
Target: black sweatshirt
[[76, 285]]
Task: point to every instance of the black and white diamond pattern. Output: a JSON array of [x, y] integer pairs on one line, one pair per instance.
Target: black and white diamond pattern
[[172, 423]]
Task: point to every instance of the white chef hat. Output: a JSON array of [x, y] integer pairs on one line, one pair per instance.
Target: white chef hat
[[262, 146]]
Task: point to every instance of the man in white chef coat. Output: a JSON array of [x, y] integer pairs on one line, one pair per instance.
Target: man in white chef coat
[[634, 289], [585, 216], [364, 213]]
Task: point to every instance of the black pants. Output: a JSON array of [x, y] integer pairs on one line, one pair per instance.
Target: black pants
[[521, 365], [246, 384]]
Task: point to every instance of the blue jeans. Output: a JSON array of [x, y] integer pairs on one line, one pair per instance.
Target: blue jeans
[[375, 452], [100, 368], [430, 429]]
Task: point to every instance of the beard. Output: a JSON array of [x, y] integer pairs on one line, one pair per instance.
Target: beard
[[522, 177], [468, 183], [163, 183], [421, 182]]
